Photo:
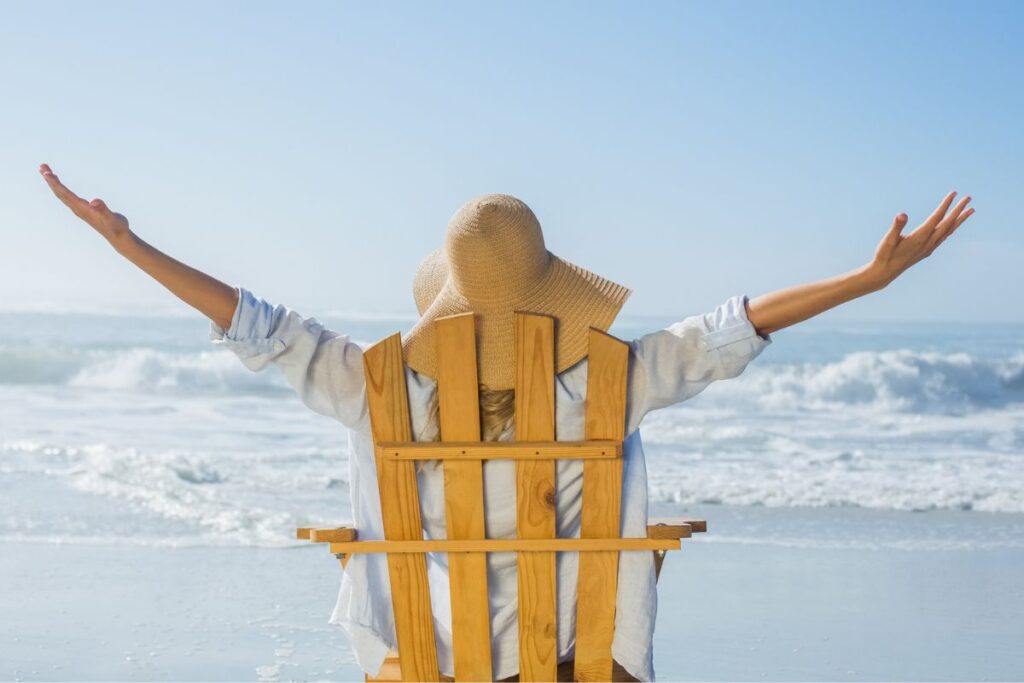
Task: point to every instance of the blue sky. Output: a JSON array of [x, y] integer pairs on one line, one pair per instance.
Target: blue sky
[[313, 152]]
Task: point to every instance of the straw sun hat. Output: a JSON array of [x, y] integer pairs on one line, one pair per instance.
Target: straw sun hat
[[493, 264]]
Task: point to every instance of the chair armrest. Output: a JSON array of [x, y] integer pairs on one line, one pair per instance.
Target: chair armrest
[[675, 527], [339, 534], [672, 527]]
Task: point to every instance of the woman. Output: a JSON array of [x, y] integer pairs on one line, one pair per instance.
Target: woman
[[494, 262]]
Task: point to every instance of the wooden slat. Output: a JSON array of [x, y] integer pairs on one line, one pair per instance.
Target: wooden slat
[[459, 404], [591, 449], [535, 497], [326, 534], [607, 368], [391, 671], [698, 526], [389, 419], [534, 546], [332, 535], [669, 530]]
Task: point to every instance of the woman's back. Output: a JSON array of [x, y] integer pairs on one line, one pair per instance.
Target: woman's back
[[326, 369], [494, 263]]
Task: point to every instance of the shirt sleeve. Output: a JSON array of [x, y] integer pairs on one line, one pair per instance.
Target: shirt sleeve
[[677, 363], [325, 368]]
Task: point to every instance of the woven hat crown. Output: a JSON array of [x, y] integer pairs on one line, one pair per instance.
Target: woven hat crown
[[493, 263], [495, 250]]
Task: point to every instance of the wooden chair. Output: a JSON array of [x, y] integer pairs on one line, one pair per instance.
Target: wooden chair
[[535, 452]]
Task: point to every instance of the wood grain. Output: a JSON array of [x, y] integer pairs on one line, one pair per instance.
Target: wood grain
[[535, 546], [591, 449], [697, 526], [333, 534], [535, 497], [459, 404], [607, 367], [669, 529], [389, 419]]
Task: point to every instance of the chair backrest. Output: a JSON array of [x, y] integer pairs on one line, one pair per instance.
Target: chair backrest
[[535, 452]]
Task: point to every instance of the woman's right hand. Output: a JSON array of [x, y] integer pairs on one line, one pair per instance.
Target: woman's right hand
[[113, 226], [211, 297]]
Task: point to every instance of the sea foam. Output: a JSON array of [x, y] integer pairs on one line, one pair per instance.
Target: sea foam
[[892, 380], [108, 431]]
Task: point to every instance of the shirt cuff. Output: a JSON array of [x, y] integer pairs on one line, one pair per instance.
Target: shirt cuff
[[249, 333], [729, 324], [217, 332]]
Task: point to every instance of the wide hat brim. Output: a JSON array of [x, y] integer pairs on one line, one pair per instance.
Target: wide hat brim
[[575, 297]]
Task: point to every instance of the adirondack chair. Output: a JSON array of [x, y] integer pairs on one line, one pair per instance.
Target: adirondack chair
[[535, 452]]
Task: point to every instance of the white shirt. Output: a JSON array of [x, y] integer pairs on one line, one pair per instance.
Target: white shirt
[[326, 369]]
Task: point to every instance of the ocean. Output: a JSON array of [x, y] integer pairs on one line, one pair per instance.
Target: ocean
[[137, 430]]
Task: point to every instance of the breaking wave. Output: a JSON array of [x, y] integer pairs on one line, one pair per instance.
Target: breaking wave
[[896, 380], [138, 369]]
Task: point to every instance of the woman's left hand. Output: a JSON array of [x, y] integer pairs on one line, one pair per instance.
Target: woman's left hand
[[897, 252]]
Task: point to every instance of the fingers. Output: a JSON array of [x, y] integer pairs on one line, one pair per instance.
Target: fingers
[[954, 220], [893, 235], [958, 209], [951, 219], [898, 223], [943, 238], [73, 201], [940, 210], [963, 217]]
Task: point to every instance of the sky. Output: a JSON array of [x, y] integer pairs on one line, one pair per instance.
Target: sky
[[313, 152]]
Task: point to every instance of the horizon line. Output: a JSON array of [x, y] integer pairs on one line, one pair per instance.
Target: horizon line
[[178, 313]]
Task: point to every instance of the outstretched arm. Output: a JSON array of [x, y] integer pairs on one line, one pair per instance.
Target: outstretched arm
[[894, 255], [211, 297]]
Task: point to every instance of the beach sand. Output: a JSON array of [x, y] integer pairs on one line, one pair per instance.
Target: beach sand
[[122, 612], [768, 594]]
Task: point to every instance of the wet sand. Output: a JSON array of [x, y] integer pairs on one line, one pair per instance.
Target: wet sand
[[836, 594]]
